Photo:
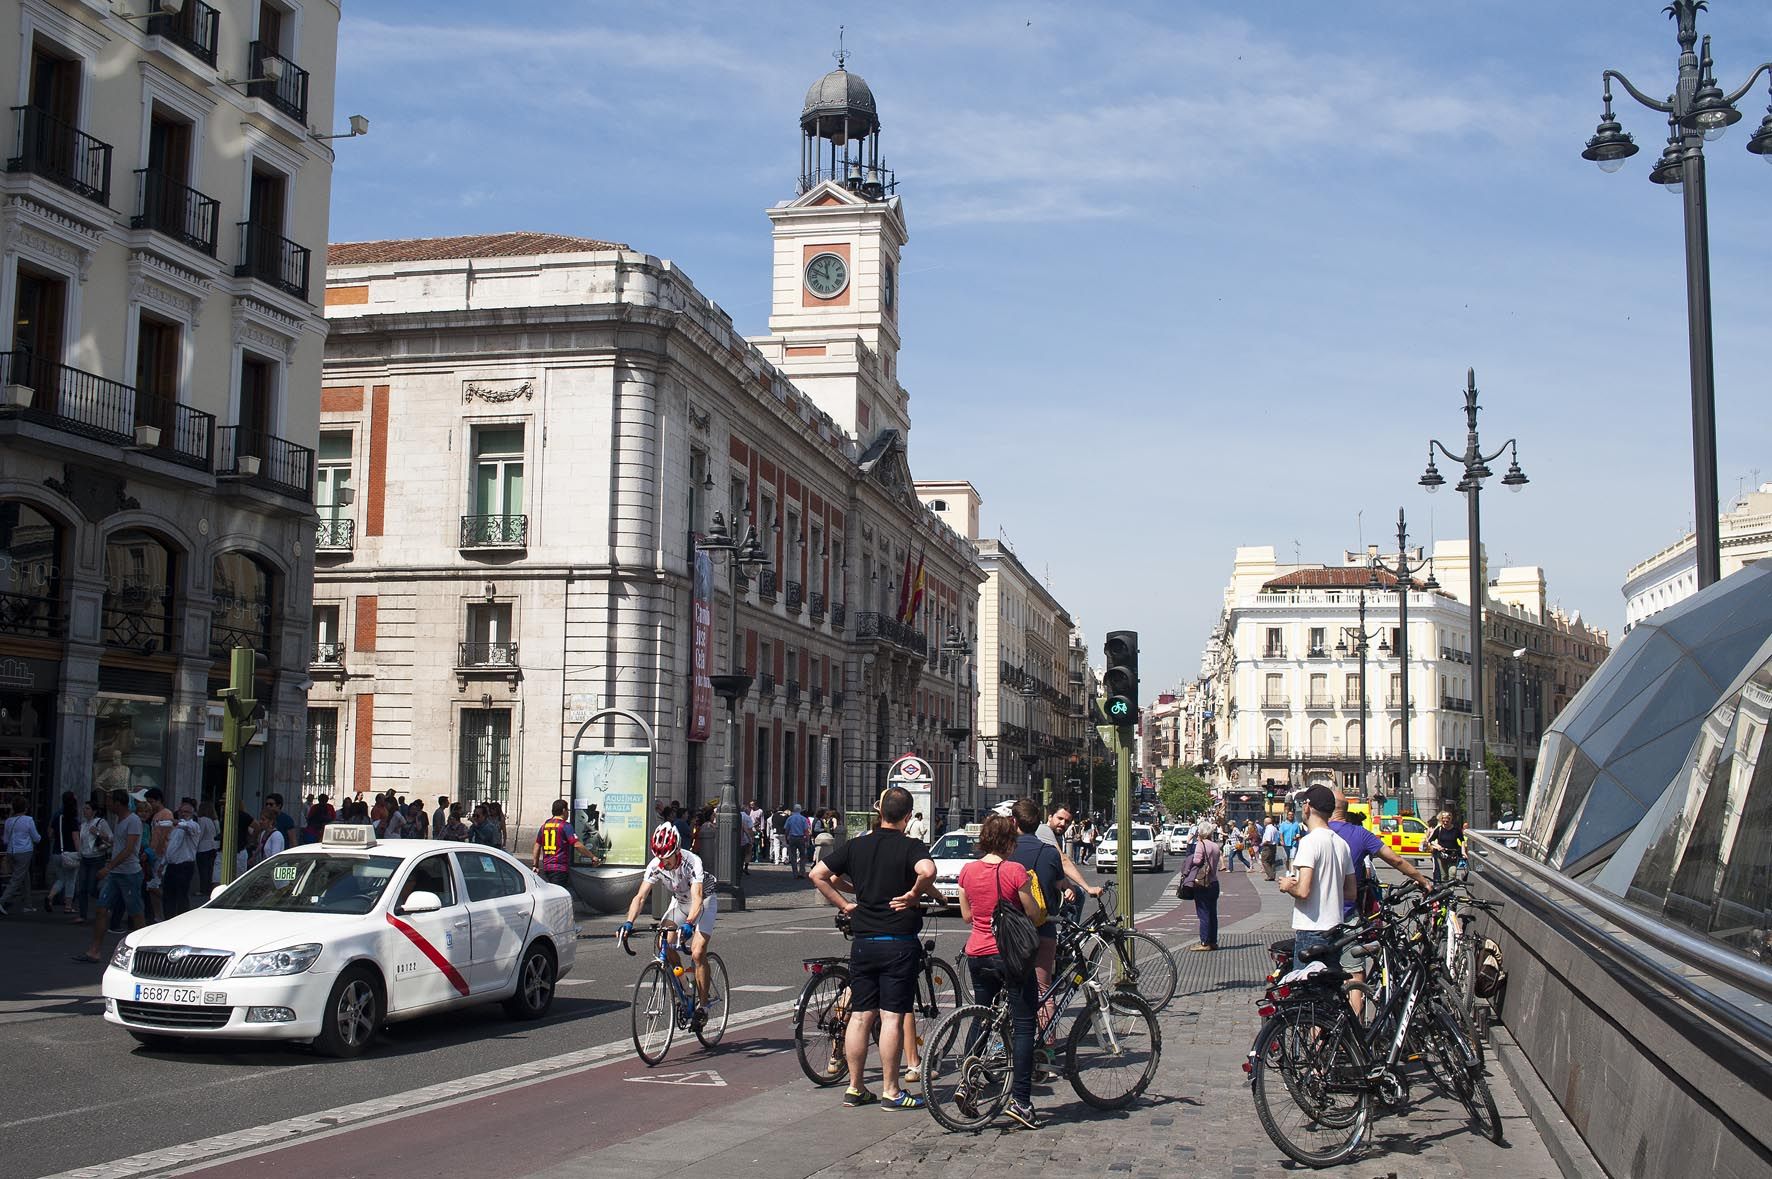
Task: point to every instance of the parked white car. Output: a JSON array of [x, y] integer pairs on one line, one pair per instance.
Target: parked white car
[[326, 942], [952, 852], [1147, 851]]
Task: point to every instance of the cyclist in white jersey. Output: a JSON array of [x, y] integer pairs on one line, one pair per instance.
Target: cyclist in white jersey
[[693, 906]]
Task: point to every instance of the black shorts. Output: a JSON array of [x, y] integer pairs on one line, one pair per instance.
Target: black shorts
[[563, 879], [883, 974]]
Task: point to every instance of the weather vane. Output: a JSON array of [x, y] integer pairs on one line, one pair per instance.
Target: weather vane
[[842, 55]]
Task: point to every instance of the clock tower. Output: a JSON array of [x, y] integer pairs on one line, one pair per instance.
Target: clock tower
[[833, 322]]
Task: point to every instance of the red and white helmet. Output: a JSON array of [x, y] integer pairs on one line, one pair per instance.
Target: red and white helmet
[[665, 840]]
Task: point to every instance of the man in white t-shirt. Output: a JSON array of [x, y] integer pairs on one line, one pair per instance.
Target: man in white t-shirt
[[1322, 877]]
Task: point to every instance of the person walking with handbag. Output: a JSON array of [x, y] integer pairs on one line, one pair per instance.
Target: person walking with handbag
[[66, 825], [21, 839], [1199, 884], [988, 883], [95, 849]]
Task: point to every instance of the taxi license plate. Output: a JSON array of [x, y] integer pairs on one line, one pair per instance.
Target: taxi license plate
[[189, 996]]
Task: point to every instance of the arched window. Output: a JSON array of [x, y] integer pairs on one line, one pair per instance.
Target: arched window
[[1319, 736], [1353, 736], [242, 617], [1276, 739], [1396, 737], [30, 572], [139, 578]]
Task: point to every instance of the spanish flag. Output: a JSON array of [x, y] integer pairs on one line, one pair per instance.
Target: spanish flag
[[916, 597]]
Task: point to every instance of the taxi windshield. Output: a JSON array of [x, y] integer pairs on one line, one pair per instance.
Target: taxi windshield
[[956, 845], [310, 883]]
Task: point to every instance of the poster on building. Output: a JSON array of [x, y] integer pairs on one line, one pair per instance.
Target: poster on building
[[701, 650], [609, 809]]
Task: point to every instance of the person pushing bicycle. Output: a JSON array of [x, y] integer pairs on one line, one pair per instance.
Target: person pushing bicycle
[[694, 907]]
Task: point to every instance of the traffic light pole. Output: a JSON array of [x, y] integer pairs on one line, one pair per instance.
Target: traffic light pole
[[238, 726], [1123, 819]]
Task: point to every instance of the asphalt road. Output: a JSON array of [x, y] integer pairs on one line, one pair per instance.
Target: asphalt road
[[82, 1092]]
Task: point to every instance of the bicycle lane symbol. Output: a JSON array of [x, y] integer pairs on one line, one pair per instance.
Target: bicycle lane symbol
[[706, 1077]]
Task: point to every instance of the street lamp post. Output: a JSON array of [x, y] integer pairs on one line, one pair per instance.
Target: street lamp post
[[1697, 110], [956, 648], [1362, 638], [1404, 571], [1475, 466], [741, 556], [1028, 692]]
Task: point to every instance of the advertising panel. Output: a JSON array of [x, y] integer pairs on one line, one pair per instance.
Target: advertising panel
[[614, 782]]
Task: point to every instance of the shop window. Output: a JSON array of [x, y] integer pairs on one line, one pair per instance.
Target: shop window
[[129, 742], [242, 616], [30, 572], [139, 573]]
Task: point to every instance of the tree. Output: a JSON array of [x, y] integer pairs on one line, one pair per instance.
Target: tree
[[1504, 791], [1184, 792]]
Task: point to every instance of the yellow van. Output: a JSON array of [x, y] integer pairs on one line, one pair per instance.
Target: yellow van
[[1406, 835]]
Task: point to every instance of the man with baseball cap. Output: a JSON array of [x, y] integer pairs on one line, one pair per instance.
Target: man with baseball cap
[[1322, 877]]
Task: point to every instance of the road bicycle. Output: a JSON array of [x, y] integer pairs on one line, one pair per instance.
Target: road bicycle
[[1109, 1056], [821, 1016], [664, 997], [1318, 1069]]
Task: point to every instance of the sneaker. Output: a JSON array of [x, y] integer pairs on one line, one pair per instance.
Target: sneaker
[[1022, 1112], [901, 1100], [856, 1098]]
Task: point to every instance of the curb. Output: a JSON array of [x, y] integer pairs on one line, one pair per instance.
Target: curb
[[1567, 1148]]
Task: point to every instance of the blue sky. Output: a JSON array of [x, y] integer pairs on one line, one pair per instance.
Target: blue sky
[[1178, 280]]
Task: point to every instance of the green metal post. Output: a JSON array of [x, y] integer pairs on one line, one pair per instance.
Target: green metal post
[[1123, 820]]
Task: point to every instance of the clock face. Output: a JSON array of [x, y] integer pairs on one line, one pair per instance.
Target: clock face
[[827, 275], [889, 292]]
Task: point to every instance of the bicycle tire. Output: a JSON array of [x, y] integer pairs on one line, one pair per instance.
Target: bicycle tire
[[821, 1019], [1299, 1050], [1466, 1028], [1469, 1084], [1464, 974], [1121, 1041], [967, 1069], [945, 980], [654, 1013], [1144, 962], [713, 1027], [1479, 1102]]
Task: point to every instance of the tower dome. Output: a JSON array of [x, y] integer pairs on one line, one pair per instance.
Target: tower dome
[[839, 107]]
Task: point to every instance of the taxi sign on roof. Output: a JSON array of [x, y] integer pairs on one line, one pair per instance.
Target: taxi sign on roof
[[348, 835]]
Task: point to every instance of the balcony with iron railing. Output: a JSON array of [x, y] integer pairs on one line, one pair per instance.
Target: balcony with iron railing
[[335, 536], [839, 615], [269, 257], [477, 655], [278, 81], [195, 28], [796, 596], [1276, 702], [166, 205], [766, 685], [816, 695], [31, 616], [793, 693], [494, 532], [837, 699], [766, 584], [1394, 700], [1455, 704], [60, 153], [267, 461], [76, 402], [1274, 651], [871, 624], [329, 654], [1316, 702], [872, 183], [816, 603], [1353, 701], [1317, 653]]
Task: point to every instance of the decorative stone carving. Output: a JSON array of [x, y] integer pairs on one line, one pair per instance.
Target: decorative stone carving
[[153, 279], [34, 228], [497, 393], [264, 327], [701, 421], [94, 494]]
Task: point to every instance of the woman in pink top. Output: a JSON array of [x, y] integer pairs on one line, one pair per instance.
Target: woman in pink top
[[991, 878]]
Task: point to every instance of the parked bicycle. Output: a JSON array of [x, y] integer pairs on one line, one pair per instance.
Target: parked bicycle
[[821, 1016], [664, 998], [1319, 1069], [1134, 958]]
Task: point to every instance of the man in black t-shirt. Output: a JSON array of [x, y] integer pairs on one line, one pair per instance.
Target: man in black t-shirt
[[886, 870]]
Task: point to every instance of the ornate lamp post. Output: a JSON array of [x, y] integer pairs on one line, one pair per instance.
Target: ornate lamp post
[[1475, 469], [1404, 570], [1028, 694], [1697, 110], [957, 649], [744, 556], [1362, 637]]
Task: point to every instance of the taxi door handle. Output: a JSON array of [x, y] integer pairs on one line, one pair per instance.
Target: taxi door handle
[[462, 924]]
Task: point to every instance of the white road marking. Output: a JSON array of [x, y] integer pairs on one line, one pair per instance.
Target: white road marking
[[758, 988], [706, 1076], [326, 1123], [576, 982]]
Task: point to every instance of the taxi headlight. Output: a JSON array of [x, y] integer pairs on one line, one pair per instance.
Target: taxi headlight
[[123, 955], [289, 960]]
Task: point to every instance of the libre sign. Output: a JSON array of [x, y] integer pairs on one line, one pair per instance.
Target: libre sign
[[701, 687]]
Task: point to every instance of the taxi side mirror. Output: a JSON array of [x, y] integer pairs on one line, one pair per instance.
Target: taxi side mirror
[[422, 902]]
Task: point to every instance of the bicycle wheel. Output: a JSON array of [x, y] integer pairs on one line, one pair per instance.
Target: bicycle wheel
[[712, 1025], [949, 987], [1112, 1053], [1307, 1074], [821, 1019], [654, 1012], [1139, 961], [1464, 973], [967, 1067], [1468, 1083]]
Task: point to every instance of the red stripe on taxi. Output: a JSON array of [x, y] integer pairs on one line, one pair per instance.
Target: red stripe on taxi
[[428, 950]]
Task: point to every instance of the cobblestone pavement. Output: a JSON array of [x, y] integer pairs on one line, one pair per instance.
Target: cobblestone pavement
[[1198, 1117]]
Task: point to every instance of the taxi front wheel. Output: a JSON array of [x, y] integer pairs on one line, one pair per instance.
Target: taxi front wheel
[[353, 1015]]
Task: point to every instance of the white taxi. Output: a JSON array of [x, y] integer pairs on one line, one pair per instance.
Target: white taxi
[[1146, 851], [326, 942], [952, 852]]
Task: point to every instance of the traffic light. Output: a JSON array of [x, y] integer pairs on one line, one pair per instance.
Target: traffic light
[[1120, 680], [241, 712]]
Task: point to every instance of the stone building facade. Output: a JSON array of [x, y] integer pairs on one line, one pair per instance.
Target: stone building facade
[[533, 433], [161, 387]]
